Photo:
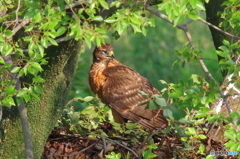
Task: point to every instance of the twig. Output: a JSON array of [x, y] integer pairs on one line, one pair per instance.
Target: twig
[[104, 143], [123, 146], [188, 35], [149, 136], [70, 101], [16, 12], [164, 17], [219, 29], [19, 26], [76, 4], [26, 21]]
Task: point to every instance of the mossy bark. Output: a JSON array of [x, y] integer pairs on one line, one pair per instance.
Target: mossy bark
[[43, 113]]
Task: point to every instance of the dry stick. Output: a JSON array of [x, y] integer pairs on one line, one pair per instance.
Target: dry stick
[[123, 146], [18, 7]]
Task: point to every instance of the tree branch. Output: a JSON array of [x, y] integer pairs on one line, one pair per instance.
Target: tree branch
[[184, 27], [219, 29], [188, 35]]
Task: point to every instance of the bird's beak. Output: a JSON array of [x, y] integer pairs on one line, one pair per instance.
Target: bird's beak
[[111, 54]]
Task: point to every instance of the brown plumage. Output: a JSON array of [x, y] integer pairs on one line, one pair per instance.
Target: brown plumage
[[118, 86]]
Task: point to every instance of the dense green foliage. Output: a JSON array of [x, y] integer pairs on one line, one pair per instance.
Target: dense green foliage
[[168, 42]]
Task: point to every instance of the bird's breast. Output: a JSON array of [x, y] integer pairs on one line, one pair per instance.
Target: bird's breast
[[96, 77]]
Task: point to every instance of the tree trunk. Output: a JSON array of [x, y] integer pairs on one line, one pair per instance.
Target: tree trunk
[[43, 113], [213, 9]]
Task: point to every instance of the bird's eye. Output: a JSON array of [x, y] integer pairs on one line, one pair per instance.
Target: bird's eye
[[104, 51]]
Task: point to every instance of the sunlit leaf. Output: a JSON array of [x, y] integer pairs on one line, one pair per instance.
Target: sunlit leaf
[[104, 4]]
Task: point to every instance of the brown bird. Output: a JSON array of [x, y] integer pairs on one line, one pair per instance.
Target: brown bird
[[118, 86]]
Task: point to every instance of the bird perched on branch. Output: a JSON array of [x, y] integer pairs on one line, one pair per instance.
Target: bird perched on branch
[[118, 86]]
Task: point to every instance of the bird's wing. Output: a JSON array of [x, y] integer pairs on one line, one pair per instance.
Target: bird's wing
[[121, 92]]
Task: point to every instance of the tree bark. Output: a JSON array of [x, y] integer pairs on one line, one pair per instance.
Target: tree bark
[[43, 113], [213, 9]]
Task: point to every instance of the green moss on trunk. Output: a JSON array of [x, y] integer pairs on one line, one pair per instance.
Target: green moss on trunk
[[43, 114]]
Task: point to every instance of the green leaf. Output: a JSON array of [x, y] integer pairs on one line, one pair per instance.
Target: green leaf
[[163, 82], [120, 26], [201, 149], [176, 94], [135, 19], [151, 105], [231, 134], [2, 60], [52, 41], [44, 42], [143, 93], [225, 54], [110, 20], [41, 50], [22, 92], [183, 121], [210, 157], [200, 6], [226, 42], [195, 78], [160, 101], [61, 30], [36, 66], [52, 34], [136, 28], [26, 97], [8, 32], [88, 98], [152, 146], [98, 18], [234, 114], [104, 4], [193, 16], [174, 113], [88, 110], [8, 51], [29, 28], [10, 90], [38, 89], [201, 136], [38, 79], [15, 69], [8, 101], [30, 46], [230, 143], [115, 3], [37, 17], [190, 131]]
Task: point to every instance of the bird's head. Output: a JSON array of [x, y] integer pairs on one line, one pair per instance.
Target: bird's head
[[103, 52]]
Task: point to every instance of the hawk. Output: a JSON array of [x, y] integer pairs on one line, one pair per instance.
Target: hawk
[[118, 86]]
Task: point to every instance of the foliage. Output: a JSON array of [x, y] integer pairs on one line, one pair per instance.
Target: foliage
[[189, 100]]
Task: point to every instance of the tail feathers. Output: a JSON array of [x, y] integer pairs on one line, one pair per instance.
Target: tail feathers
[[151, 119]]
